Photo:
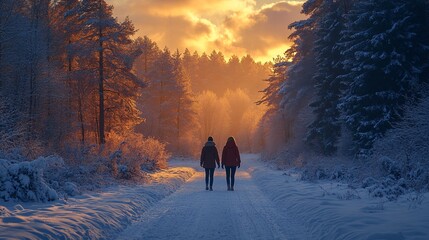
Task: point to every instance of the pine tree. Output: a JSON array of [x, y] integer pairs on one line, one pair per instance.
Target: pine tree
[[145, 62], [215, 72], [6, 18], [383, 59], [271, 97], [162, 89], [298, 88], [107, 43], [190, 65], [186, 115], [66, 24], [203, 78], [234, 71], [325, 129]]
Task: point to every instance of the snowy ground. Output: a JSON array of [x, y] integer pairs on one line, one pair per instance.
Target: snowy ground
[[267, 204], [329, 210], [89, 216], [194, 213]]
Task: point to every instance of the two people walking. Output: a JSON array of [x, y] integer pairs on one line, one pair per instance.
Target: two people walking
[[230, 161]]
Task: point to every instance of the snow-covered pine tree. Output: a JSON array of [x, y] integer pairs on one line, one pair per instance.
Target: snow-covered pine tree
[[271, 96], [185, 108], [325, 129], [383, 56], [108, 44], [298, 89]]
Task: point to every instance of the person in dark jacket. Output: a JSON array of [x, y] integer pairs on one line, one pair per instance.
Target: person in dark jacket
[[208, 160], [231, 160]]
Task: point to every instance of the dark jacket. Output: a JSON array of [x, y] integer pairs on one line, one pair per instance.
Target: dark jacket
[[209, 155], [230, 155]]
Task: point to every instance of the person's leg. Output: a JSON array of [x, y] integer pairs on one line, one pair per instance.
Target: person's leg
[[228, 173], [211, 178], [207, 178], [233, 169]]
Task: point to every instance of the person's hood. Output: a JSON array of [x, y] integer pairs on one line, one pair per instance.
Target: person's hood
[[230, 144], [210, 143]]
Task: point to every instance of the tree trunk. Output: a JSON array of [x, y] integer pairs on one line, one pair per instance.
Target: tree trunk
[[80, 115], [161, 100], [100, 92], [0, 59], [178, 125], [100, 83], [145, 67]]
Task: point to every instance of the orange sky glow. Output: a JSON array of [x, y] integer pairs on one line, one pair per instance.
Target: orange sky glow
[[239, 27]]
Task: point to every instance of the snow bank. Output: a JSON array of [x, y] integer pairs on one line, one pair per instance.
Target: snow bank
[[89, 216], [331, 210], [24, 180]]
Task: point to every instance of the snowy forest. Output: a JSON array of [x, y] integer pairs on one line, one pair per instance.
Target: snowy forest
[[86, 104], [352, 92], [78, 78]]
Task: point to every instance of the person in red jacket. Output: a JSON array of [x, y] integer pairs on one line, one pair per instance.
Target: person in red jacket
[[231, 160], [208, 160]]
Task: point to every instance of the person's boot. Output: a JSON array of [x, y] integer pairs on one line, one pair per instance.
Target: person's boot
[[211, 189], [232, 188], [207, 188], [229, 187]]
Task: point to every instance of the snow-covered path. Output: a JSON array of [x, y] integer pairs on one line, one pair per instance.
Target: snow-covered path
[[194, 213], [267, 204]]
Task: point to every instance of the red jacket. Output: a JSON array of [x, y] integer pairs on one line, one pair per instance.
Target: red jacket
[[230, 155]]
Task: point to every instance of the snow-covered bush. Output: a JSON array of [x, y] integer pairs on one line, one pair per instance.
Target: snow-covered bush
[[155, 156], [389, 188], [135, 153], [391, 167], [369, 182], [350, 194], [24, 180], [327, 171], [418, 178], [404, 151], [71, 189], [4, 212], [77, 153], [395, 180]]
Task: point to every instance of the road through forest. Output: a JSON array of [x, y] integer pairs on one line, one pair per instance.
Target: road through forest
[[194, 213]]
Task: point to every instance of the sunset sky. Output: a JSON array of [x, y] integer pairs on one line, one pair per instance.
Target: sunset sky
[[239, 27]]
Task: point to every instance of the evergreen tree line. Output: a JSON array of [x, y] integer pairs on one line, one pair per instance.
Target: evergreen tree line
[[189, 96], [206, 71], [352, 70]]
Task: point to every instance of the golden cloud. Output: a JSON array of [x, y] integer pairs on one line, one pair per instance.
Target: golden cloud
[[235, 27]]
